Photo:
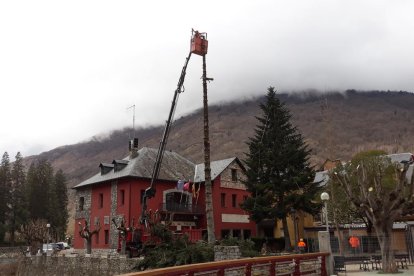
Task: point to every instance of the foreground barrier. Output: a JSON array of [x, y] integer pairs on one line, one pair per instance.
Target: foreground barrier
[[295, 265]]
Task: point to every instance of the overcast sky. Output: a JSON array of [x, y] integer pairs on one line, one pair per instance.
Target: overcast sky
[[70, 69]]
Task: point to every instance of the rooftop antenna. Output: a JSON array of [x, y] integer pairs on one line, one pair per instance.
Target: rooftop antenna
[[133, 119]]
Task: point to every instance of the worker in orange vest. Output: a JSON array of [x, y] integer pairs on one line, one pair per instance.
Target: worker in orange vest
[[354, 242], [301, 245]]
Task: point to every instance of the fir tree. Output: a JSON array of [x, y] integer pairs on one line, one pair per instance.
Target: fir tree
[[62, 202], [18, 203], [47, 197], [5, 186], [279, 175], [39, 179]]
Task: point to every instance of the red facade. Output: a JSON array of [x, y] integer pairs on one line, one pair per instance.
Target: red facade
[[121, 198]]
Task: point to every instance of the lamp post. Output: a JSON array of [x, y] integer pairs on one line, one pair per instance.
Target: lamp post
[[325, 198], [48, 237], [324, 239]]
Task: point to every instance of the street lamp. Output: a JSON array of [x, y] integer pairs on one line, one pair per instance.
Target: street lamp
[[325, 198], [48, 237], [327, 243]]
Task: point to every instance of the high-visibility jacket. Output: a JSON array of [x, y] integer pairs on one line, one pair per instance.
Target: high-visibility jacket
[[354, 242], [301, 244]]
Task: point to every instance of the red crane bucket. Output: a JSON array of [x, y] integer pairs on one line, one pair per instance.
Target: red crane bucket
[[199, 43]]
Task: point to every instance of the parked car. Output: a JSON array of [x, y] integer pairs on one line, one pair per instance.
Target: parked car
[[50, 247], [63, 245]]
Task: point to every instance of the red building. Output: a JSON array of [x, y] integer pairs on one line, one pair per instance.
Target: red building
[[116, 193]]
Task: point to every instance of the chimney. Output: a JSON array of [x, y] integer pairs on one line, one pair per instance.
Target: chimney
[[133, 148]]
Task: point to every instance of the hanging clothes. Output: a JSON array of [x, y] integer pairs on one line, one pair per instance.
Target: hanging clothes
[[186, 186], [180, 185]]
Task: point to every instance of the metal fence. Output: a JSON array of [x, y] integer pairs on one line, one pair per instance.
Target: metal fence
[[367, 244]]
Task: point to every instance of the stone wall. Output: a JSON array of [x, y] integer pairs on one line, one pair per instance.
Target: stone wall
[[226, 253], [113, 232], [11, 251], [75, 265], [86, 212]]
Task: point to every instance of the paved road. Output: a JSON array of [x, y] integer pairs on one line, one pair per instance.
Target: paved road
[[353, 270]]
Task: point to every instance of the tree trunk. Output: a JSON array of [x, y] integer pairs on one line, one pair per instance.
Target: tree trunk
[[384, 233], [207, 170], [89, 246], [340, 239], [123, 245], [288, 245]]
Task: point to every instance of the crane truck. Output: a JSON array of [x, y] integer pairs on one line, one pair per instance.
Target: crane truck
[[199, 45]]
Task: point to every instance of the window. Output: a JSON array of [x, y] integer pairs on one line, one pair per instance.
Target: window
[[225, 233], [223, 199], [100, 200], [122, 197], [177, 202], [234, 200], [106, 236], [247, 234], [237, 233], [244, 197], [81, 203], [97, 238], [234, 175]]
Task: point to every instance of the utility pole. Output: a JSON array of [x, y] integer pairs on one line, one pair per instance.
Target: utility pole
[[207, 169]]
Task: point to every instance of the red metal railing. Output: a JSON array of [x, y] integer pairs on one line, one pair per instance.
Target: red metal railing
[[300, 264]]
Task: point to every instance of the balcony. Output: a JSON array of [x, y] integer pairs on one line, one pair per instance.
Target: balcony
[[182, 208]]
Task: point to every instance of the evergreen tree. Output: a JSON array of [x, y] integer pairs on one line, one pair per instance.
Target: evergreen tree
[[5, 185], [62, 202], [47, 197], [279, 176], [18, 204], [39, 181]]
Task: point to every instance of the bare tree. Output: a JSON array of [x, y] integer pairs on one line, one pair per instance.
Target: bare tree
[[379, 188], [87, 234], [35, 232], [123, 232]]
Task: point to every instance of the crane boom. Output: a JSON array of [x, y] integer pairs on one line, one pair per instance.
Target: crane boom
[[150, 191], [199, 46]]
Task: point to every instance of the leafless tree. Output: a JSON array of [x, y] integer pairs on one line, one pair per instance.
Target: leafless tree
[[87, 234], [35, 232], [381, 191]]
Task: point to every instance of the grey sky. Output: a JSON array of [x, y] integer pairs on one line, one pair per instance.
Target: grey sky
[[69, 70]]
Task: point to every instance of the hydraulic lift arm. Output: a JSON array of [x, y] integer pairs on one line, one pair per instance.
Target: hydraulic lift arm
[[150, 191], [199, 46]]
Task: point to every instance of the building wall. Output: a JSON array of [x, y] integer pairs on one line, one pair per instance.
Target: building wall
[[230, 219], [81, 215], [122, 199]]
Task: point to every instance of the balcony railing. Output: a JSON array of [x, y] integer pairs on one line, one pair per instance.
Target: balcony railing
[[182, 208]]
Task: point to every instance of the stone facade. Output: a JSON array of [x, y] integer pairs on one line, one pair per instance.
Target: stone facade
[[113, 232], [86, 194], [226, 177]]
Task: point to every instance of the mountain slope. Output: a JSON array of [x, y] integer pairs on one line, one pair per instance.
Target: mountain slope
[[334, 125]]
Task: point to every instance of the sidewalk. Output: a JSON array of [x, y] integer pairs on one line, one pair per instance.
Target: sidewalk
[[353, 270]]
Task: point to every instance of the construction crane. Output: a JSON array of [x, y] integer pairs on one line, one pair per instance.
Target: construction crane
[[199, 45]]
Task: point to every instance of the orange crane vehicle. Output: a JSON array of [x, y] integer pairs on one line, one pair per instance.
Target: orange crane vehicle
[[199, 45]]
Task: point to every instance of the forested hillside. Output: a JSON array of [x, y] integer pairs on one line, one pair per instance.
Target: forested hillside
[[335, 125]]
